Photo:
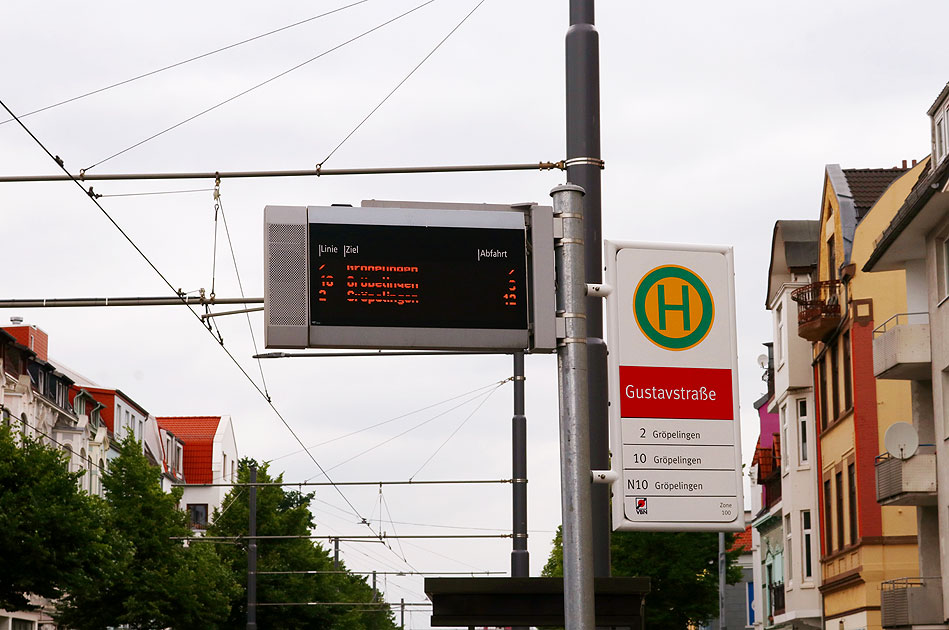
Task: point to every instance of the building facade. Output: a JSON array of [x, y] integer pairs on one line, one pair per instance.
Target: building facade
[[209, 456], [788, 542], [912, 348], [863, 544]]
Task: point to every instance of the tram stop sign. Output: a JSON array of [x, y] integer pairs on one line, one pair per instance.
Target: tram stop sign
[[673, 372]]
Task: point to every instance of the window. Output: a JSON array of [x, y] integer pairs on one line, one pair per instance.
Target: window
[[835, 380], [822, 394], [806, 566], [779, 338], [198, 515], [848, 386], [828, 520], [784, 438], [788, 544], [750, 599], [831, 259], [69, 465], [802, 430], [940, 141], [839, 488], [852, 501], [6, 417], [944, 267]]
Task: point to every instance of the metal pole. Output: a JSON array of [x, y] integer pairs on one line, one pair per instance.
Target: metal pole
[[126, 301], [721, 581], [336, 554], [402, 622], [575, 478], [583, 169], [374, 592], [252, 554], [520, 558], [310, 172]]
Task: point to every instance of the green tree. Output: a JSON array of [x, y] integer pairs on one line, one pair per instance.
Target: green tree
[[682, 567], [50, 532], [148, 579], [286, 512]]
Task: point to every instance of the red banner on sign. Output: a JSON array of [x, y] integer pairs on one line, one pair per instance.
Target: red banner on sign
[[672, 392]]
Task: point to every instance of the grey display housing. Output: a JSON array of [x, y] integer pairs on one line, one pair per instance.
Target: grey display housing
[[287, 277]]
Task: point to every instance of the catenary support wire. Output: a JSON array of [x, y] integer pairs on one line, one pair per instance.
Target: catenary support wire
[[165, 279], [400, 83], [258, 85], [183, 62]]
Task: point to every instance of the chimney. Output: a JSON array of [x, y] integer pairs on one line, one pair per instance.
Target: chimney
[[904, 163], [914, 162]]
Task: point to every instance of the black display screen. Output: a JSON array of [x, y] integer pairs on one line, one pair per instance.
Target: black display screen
[[416, 276]]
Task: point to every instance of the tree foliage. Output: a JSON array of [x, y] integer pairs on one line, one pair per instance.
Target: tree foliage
[[682, 567], [50, 533], [286, 512], [146, 578]]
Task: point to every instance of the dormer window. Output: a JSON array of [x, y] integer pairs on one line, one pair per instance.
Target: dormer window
[[939, 114], [939, 135]]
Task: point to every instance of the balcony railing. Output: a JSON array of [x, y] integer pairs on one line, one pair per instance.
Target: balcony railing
[[818, 309], [777, 599], [910, 481], [901, 348], [911, 601], [768, 460]]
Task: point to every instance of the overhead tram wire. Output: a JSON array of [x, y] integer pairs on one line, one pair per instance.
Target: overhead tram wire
[[181, 63], [171, 287], [406, 78], [453, 433], [240, 285], [399, 417], [258, 85], [410, 429]]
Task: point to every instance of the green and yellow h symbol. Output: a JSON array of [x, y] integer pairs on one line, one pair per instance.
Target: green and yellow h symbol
[[683, 307]]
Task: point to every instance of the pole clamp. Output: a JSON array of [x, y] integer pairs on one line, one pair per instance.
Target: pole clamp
[[604, 476], [578, 161], [599, 290]]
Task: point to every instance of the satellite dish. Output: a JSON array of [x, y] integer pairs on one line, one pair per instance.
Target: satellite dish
[[763, 361], [901, 440]]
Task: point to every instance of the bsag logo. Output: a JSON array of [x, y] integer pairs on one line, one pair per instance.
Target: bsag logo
[[673, 307], [641, 505]]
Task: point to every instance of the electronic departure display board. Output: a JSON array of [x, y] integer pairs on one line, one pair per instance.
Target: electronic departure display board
[[409, 277], [417, 276]]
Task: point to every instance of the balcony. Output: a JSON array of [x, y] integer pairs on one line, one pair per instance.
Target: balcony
[[818, 309], [776, 592], [912, 601], [768, 460], [909, 481], [901, 349]]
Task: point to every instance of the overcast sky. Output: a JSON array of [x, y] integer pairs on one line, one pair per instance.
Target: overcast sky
[[717, 120]]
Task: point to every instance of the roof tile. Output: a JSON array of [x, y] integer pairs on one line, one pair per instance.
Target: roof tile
[[868, 184]]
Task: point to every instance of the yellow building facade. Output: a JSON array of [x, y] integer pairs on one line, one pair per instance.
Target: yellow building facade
[[862, 543]]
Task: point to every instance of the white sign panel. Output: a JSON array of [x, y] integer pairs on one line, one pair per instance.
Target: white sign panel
[[674, 423]]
